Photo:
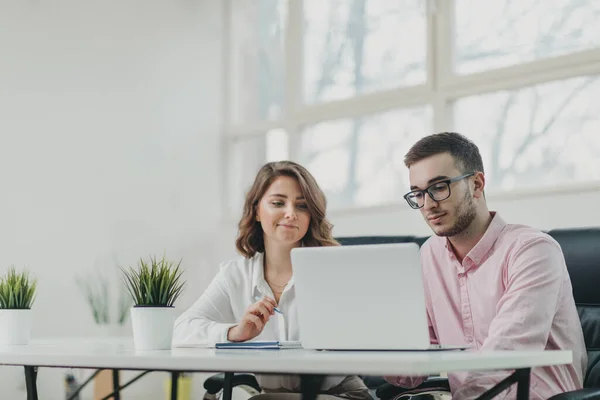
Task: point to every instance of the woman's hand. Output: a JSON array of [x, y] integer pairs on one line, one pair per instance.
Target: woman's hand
[[253, 321]]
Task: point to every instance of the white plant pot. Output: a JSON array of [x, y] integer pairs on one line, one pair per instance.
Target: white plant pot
[[152, 327], [15, 327]]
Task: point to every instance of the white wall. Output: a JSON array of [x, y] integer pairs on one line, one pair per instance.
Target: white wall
[[109, 139]]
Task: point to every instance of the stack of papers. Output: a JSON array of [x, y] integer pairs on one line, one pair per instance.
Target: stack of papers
[[275, 345]]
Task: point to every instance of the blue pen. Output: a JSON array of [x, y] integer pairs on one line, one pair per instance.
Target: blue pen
[[257, 298]]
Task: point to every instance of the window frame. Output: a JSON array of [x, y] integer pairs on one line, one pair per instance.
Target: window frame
[[441, 89]]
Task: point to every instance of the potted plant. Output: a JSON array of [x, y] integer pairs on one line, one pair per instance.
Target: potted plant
[[17, 294], [96, 289], [154, 286]]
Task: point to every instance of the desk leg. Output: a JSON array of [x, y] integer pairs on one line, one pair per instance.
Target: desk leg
[[174, 384], [30, 382], [523, 380], [311, 386], [116, 385], [520, 377]]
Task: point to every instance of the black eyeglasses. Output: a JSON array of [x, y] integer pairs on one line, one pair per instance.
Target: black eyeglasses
[[437, 191]]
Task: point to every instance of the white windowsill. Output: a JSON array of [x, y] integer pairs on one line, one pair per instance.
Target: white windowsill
[[517, 194]]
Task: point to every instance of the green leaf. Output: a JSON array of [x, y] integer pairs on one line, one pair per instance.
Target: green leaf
[[154, 283], [17, 290]]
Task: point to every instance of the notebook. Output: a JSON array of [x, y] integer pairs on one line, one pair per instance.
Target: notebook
[[274, 345]]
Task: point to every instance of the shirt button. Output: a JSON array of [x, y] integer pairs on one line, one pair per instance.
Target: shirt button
[[470, 339]]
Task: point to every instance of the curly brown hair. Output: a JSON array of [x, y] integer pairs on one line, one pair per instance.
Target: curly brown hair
[[250, 234]]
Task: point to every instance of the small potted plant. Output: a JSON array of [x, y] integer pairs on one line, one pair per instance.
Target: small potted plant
[[154, 286], [97, 291], [17, 294]]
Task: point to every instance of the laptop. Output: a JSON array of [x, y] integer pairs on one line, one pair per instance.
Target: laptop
[[363, 297]]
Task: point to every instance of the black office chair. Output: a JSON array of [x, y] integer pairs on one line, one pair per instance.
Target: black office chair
[[582, 254], [214, 385], [425, 391]]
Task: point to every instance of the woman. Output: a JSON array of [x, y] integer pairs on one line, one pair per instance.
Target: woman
[[285, 208]]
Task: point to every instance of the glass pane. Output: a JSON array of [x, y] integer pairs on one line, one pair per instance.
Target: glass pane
[[359, 162], [246, 156], [277, 145], [537, 136], [498, 33], [359, 46], [257, 59]]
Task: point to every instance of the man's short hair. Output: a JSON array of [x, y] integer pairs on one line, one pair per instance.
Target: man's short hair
[[465, 153]]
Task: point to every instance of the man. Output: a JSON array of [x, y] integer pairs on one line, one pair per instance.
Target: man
[[488, 284]]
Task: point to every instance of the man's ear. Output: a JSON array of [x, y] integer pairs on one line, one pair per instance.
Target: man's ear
[[479, 185]]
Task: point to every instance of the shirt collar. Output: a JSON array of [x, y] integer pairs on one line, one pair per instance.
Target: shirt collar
[[485, 244], [258, 274], [259, 284]]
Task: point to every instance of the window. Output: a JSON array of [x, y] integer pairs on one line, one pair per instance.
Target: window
[[345, 87], [498, 33], [246, 154], [359, 161], [536, 136], [257, 70], [353, 47]]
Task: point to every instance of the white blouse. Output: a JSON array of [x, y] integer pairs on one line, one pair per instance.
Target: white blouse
[[223, 305]]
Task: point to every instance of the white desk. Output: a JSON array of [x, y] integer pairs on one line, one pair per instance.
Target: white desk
[[120, 354]]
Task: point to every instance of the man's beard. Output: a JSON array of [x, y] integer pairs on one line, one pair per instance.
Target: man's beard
[[466, 213]]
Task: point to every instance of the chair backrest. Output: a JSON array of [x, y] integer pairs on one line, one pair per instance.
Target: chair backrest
[[358, 240], [581, 248]]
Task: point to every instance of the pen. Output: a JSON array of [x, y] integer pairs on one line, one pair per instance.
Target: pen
[[257, 298]]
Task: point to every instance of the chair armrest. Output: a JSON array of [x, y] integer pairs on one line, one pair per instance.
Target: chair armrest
[[582, 394], [389, 391], [214, 384]]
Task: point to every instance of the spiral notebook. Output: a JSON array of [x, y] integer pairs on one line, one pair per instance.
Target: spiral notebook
[[273, 345]]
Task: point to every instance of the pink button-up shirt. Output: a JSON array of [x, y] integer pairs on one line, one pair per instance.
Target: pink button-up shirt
[[511, 291]]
